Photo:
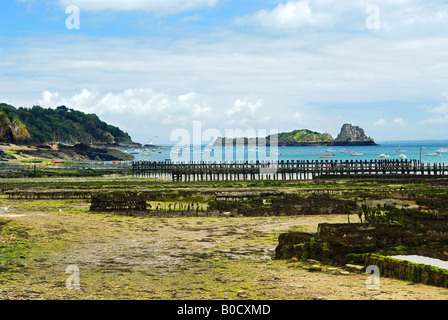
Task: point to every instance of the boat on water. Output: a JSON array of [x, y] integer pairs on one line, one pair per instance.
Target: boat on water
[[442, 150], [383, 156], [147, 154], [325, 156], [402, 156], [343, 151], [330, 150], [354, 154], [400, 150], [430, 154]]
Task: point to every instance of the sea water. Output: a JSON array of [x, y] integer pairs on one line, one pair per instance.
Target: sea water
[[413, 150]]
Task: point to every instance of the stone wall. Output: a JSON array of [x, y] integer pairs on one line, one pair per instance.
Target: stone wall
[[285, 205], [341, 244], [244, 204], [409, 271]]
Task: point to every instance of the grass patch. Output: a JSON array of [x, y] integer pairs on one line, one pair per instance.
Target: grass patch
[[15, 245], [70, 206], [298, 228]]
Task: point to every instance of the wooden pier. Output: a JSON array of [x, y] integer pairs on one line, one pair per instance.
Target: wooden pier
[[284, 170]]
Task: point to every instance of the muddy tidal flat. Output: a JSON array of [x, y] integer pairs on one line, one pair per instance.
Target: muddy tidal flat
[[43, 242]]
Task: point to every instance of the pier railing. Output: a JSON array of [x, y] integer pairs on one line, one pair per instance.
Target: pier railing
[[238, 170], [283, 170]]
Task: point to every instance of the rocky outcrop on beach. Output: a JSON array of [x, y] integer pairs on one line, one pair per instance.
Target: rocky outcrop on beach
[[79, 152], [99, 154], [5, 157]]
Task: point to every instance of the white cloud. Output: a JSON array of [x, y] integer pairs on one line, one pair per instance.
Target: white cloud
[[244, 106], [138, 102], [399, 121], [333, 15], [380, 122], [442, 108], [298, 116], [139, 110], [49, 98], [155, 6], [81, 100], [291, 15], [439, 120]]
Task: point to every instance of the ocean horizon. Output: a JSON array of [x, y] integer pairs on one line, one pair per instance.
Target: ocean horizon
[[428, 151]]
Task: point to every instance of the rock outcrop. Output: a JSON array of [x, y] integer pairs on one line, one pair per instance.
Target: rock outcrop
[[82, 151], [13, 131], [350, 134]]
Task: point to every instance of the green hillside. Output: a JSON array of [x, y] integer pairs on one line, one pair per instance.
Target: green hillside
[[64, 124], [297, 137]]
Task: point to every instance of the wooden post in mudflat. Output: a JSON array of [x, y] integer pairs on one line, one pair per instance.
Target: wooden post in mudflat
[[297, 167], [302, 169], [306, 168], [310, 168]]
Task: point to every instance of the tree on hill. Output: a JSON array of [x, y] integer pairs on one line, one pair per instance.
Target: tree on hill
[[64, 124]]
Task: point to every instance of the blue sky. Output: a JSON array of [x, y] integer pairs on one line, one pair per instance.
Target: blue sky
[[152, 67]]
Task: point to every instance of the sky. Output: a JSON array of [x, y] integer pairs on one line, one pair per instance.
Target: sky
[[159, 67]]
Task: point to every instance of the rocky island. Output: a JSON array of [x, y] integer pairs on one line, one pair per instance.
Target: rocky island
[[349, 136], [353, 135]]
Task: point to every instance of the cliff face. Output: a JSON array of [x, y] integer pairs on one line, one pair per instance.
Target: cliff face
[[350, 133], [13, 131]]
